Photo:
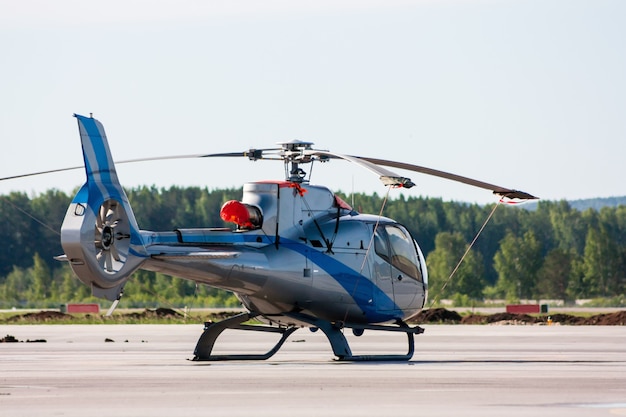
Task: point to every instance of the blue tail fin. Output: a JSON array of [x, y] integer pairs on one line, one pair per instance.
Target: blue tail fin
[[100, 235]]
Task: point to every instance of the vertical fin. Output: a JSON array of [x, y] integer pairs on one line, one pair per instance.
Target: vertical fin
[[100, 235]]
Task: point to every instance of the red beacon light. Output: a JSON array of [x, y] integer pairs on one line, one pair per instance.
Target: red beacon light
[[245, 216]]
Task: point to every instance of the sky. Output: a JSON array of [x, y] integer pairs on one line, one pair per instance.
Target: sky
[[524, 94]]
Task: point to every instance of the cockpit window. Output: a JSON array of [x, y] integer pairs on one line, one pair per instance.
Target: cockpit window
[[403, 253], [380, 244], [395, 245]]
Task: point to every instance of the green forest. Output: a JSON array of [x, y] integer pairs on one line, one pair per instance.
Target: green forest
[[547, 251]]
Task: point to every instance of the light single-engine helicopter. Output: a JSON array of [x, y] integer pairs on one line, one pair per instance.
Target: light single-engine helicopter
[[298, 255]]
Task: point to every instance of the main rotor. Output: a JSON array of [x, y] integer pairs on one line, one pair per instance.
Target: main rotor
[[293, 153], [297, 152]]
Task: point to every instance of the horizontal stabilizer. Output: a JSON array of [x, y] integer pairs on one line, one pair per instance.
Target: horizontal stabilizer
[[196, 256]]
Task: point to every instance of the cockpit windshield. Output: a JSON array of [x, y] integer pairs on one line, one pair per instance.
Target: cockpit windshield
[[395, 245]]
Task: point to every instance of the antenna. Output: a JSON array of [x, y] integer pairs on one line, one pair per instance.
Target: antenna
[[352, 192]]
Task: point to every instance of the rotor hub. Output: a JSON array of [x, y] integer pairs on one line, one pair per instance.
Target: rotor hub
[[295, 145], [295, 153], [107, 237]]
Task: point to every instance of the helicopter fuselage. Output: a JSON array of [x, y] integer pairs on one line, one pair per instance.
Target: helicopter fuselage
[[312, 254]]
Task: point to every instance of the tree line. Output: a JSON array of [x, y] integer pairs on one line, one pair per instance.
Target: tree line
[[550, 252]]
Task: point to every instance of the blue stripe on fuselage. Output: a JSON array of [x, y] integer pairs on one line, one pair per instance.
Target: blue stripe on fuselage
[[358, 286]]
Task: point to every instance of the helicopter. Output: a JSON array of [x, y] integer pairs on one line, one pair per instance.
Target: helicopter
[[296, 256]]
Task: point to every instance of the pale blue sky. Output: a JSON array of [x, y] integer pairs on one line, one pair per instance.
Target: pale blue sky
[[524, 94]]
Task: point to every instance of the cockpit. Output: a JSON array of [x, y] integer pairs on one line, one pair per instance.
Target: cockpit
[[395, 245]]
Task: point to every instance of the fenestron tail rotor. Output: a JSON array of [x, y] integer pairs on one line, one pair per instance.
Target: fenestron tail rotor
[[112, 236]]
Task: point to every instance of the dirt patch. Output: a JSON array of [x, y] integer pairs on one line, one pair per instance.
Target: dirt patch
[[499, 318], [437, 315], [40, 316], [12, 339], [565, 319], [474, 319], [154, 313], [441, 315], [53, 315], [511, 318], [9, 339], [610, 319]]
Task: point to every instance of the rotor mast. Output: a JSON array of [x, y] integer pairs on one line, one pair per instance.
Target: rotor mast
[[294, 153]]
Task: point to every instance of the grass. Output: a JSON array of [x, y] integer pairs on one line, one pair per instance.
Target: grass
[[148, 316]]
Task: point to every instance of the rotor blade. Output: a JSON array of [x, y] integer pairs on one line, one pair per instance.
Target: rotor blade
[[386, 176], [108, 261], [502, 191], [32, 174], [252, 154], [190, 156], [101, 218], [127, 161], [114, 253], [110, 214], [100, 258]]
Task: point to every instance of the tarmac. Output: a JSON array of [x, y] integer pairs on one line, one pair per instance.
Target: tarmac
[[473, 371]]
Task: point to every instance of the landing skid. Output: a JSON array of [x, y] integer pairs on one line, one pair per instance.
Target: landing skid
[[341, 348], [213, 330], [333, 332]]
